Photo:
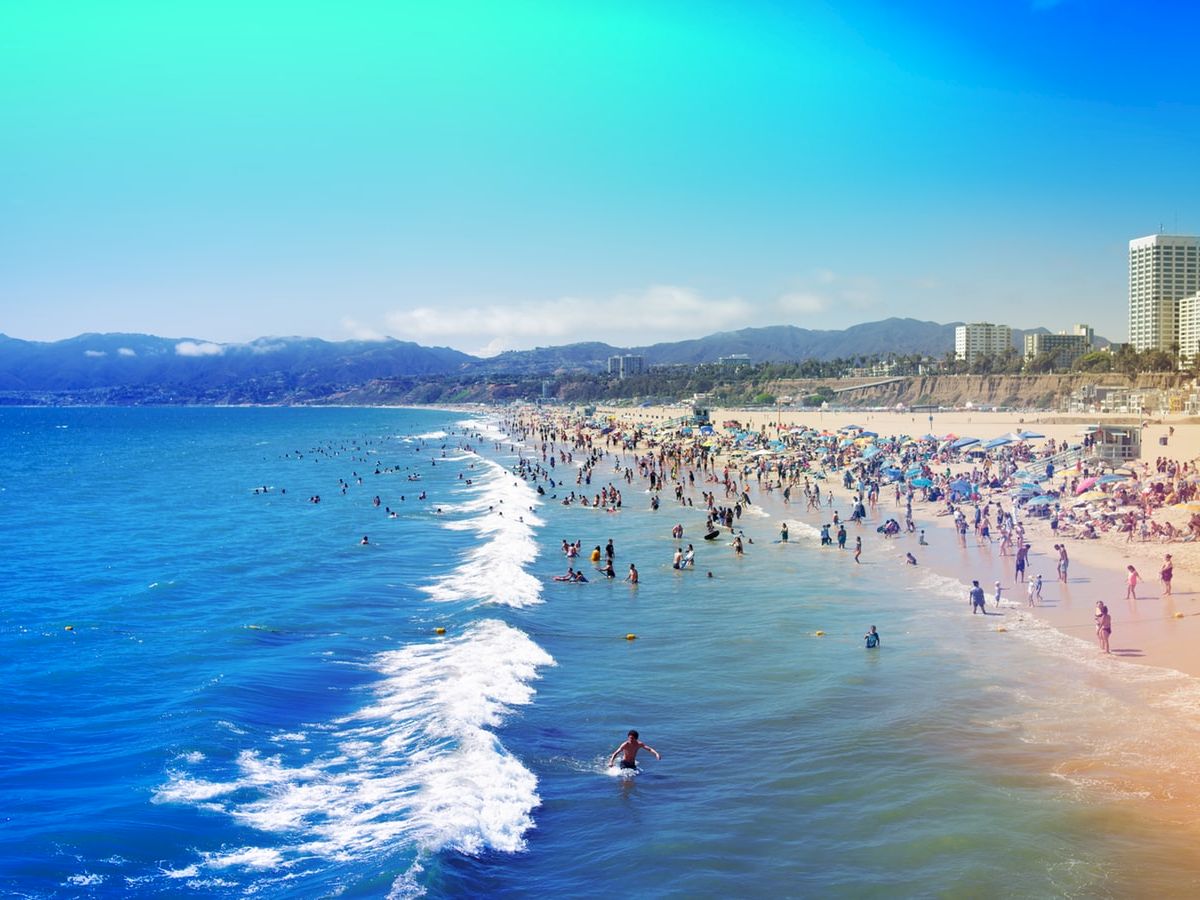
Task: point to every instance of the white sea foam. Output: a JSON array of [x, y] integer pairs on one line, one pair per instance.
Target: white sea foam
[[419, 765], [500, 514]]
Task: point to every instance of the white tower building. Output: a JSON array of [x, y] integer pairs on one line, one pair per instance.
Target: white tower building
[[1163, 269]]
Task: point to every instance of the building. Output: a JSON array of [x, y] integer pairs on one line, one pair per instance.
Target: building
[[626, 365], [1189, 327], [1066, 348], [735, 359], [981, 339], [1163, 269]]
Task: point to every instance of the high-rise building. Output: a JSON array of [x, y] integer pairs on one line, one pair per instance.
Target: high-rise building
[[1066, 348], [1163, 269], [1189, 327], [981, 339], [626, 365]]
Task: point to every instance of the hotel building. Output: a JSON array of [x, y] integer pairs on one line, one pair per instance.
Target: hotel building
[[1163, 269], [981, 339]]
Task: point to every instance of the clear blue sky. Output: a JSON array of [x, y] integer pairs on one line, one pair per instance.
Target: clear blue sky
[[509, 174]]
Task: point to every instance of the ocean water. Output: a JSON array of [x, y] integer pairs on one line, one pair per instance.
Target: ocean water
[[213, 690]]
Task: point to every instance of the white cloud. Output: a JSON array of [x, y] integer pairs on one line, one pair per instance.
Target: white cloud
[[361, 332], [659, 313], [126, 351], [802, 302], [191, 348], [94, 353]]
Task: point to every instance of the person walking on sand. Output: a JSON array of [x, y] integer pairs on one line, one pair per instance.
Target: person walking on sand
[[1103, 626], [628, 752], [1030, 591], [998, 591], [1165, 574], [1131, 583], [1063, 562]]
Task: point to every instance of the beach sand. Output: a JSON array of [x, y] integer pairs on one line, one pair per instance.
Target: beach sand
[[1153, 630]]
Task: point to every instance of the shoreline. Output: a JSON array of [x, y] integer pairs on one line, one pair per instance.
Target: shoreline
[[1147, 632]]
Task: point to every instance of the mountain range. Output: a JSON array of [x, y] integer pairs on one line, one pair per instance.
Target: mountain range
[[293, 367]]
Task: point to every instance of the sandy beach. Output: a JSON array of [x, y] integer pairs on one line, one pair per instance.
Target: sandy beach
[[1153, 630]]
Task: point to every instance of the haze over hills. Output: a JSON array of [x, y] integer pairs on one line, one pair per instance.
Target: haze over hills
[[291, 366]]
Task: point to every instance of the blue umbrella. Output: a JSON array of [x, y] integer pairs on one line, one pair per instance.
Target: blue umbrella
[[1027, 435], [871, 452], [1109, 479], [915, 470], [964, 442], [920, 482], [997, 442], [1044, 500]]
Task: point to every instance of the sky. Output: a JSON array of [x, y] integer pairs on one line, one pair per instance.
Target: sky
[[503, 175]]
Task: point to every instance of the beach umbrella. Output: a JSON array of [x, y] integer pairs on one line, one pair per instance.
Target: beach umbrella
[[869, 434], [871, 452], [1109, 479], [960, 485], [1085, 484], [1026, 435], [920, 482], [964, 442], [915, 470], [1091, 495], [997, 442], [1044, 500]]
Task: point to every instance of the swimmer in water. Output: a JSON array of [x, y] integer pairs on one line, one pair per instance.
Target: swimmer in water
[[364, 541], [628, 752], [632, 577]]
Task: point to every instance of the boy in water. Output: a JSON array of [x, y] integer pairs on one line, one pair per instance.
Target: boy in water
[[628, 752], [872, 638]]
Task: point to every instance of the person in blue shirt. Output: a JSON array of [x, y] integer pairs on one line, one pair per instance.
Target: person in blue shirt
[[872, 638]]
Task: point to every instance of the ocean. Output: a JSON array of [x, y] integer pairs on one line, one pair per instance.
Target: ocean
[[214, 688]]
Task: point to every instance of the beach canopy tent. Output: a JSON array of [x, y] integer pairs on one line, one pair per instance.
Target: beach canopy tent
[[998, 442], [1020, 435], [964, 442]]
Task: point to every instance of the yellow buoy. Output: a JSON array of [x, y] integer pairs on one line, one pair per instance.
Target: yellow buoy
[[819, 633], [631, 636], [1179, 615], [439, 630]]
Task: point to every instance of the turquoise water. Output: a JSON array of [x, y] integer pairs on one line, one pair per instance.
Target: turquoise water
[[249, 700]]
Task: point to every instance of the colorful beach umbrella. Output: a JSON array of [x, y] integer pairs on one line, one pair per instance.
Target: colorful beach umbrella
[[1085, 484]]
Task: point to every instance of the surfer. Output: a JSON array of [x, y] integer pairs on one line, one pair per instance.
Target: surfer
[[628, 752]]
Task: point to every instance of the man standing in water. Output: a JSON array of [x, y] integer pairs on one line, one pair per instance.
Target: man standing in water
[[977, 599], [629, 750]]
